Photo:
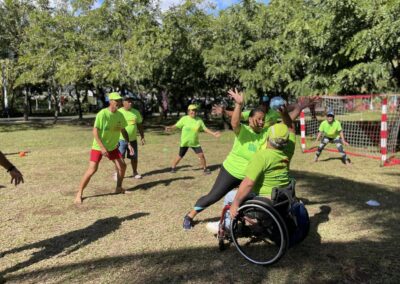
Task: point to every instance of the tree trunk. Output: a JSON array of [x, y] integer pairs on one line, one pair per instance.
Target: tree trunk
[[26, 106], [56, 106], [78, 98]]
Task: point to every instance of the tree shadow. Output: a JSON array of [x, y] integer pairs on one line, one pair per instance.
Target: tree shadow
[[165, 182], [14, 126], [165, 170], [69, 242]]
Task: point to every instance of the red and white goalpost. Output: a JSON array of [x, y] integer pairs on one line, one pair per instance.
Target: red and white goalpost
[[371, 124]]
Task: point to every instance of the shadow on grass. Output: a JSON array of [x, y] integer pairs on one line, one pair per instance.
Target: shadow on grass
[[334, 259], [210, 167], [11, 127], [165, 182], [165, 170], [69, 242]]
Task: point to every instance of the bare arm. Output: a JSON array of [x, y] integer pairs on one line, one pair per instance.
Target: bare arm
[[126, 137], [303, 102], [235, 120], [318, 136], [286, 119], [244, 190], [98, 140], [16, 175], [141, 132], [171, 127], [343, 140], [215, 134]]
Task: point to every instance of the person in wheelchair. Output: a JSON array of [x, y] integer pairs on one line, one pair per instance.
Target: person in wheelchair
[[269, 167]]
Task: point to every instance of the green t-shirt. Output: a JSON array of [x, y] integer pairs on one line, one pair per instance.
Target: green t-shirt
[[269, 168], [109, 125], [246, 144], [133, 118], [331, 130], [271, 117], [190, 130]]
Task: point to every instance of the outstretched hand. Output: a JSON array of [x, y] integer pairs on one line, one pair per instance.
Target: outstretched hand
[[236, 96], [305, 102], [217, 110]]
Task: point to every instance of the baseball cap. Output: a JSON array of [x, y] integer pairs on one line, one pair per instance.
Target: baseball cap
[[114, 96], [129, 97], [192, 107], [278, 135], [330, 113]]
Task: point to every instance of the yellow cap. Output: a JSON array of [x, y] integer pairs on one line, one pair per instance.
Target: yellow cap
[[278, 134], [192, 107], [114, 96]]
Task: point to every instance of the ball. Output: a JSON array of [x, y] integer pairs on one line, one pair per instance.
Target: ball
[[22, 154], [277, 102]]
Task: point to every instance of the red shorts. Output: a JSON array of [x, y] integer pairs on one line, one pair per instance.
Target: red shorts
[[95, 155]]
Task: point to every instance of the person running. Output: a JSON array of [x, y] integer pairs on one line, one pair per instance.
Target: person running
[[191, 125], [16, 175], [270, 167], [331, 132], [108, 125], [134, 123]]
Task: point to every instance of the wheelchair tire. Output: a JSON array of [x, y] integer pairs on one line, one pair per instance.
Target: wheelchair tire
[[259, 233]]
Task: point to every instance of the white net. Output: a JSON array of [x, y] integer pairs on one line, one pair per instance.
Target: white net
[[360, 117]]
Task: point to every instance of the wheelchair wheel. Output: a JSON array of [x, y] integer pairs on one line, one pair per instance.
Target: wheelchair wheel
[[259, 234]]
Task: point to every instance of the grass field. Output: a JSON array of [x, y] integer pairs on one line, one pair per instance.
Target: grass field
[[138, 237]]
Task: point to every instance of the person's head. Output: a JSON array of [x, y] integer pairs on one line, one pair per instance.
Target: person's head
[[256, 119], [128, 102], [330, 116], [115, 101], [192, 110], [264, 103], [278, 136]]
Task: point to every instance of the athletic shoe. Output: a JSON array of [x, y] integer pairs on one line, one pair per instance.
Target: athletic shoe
[[213, 227], [187, 222], [137, 176], [207, 171], [115, 176], [316, 159], [173, 170]]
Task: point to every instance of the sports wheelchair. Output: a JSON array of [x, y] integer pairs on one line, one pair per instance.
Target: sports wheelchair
[[264, 229]]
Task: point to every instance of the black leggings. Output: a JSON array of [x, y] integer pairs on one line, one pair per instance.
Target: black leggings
[[224, 183]]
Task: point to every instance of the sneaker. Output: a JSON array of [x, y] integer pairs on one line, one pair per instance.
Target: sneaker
[[316, 159], [187, 222], [213, 227], [207, 171], [137, 176], [115, 176], [173, 170]]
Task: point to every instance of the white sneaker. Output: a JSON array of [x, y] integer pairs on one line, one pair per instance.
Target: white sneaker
[[213, 227], [115, 176], [137, 176]]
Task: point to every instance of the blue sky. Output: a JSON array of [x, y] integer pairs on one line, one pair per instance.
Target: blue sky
[[165, 4]]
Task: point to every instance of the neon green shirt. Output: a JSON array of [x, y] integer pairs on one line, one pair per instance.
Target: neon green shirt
[[190, 130], [109, 125], [246, 144], [271, 117], [133, 118], [269, 168], [331, 130]]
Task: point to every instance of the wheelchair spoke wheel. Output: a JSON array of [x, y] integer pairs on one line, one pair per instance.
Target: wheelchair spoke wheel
[[259, 234]]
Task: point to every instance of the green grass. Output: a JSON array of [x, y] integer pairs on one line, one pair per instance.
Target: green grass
[[137, 237]]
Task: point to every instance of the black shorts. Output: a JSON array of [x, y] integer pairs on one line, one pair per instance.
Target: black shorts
[[183, 150]]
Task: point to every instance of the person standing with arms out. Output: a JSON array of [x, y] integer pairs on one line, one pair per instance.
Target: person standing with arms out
[[16, 175], [191, 125], [134, 123], [331, 132], [108, 125]]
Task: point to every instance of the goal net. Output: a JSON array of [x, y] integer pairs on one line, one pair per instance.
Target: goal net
[[370, 125]]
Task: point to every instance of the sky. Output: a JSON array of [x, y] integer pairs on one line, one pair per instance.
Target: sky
[[165, 4]]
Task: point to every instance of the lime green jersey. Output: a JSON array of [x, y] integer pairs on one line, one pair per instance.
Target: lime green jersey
[[246, 144], [331, 130], [190, 130], [269, 168], [133, 118], [109, 125], [271, 117]]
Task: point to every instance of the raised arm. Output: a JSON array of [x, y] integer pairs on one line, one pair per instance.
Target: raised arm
[[235, 120]]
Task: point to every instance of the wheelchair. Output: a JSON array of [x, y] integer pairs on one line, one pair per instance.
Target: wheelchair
[[263, 229]]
